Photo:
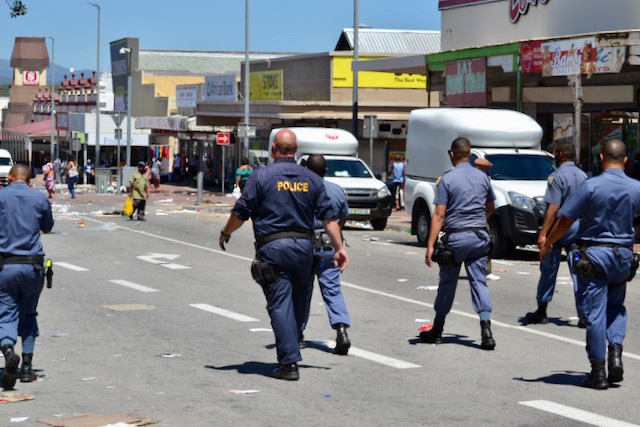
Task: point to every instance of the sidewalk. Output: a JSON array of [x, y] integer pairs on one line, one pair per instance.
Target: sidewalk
[[183, 196]]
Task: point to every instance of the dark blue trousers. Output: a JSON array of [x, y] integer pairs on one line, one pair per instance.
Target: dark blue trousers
[[20, 288]]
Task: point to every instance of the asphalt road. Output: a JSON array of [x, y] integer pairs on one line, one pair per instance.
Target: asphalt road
[[200, 330]]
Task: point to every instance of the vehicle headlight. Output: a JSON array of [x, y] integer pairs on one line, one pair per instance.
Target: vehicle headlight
[[520, 201], [383, 192]]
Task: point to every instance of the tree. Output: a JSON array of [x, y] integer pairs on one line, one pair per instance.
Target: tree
[[17, 8]]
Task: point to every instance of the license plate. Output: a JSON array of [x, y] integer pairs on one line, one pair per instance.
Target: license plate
[[359, 211]]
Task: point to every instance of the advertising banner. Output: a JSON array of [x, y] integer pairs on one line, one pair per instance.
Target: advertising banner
[[186, 96], [578, 56], [30, 78], [531, 57], [265, 85], [343, 77], [467, 83], [220, 88]]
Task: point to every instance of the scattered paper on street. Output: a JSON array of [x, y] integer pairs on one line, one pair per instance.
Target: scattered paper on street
[[13, 396]]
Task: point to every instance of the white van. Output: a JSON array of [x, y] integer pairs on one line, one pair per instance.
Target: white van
[[369, 198], [5, 165], [508, 139]]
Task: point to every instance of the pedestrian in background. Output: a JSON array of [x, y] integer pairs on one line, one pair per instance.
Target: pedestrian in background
[[560, 186], [485, 166], [282, 201], [25, 213], [156, 168], [397, 182], [138, 187], [324, 267], [72, 177], [177, 168], [48, 170], [243, 172], [88, 172], [464, 202], [603, 263]]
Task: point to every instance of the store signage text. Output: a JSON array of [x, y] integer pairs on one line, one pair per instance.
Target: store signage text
[[220, 88], [518, 8], [467, 82]]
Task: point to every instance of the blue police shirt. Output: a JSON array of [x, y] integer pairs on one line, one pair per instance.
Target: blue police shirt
[[24, 212], [338, 200], [605, 205], [283, 196], [563, 182], [465, 191]]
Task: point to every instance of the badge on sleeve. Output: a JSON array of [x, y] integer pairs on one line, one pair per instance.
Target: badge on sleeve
[[438, 180], [550, 179]]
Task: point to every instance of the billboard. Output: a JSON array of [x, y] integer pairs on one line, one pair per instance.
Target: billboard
[[120, 67], [186, 96], [466, 83], [220, 88], [266, 85], [343, 77]]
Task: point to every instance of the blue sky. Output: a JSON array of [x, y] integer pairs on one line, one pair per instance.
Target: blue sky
[[275, 25]]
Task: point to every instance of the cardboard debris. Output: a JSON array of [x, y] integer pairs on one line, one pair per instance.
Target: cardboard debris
[[129, 307], [96, 420], [13, 396]]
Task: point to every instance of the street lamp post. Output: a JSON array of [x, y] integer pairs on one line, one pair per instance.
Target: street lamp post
[[356, 24], [127, 51], [97, 159], [246, 79], [53, 99]]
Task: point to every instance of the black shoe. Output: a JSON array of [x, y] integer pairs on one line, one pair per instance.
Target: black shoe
[[582, 324], [141, 219], [616, 370], [433, 335], [287, 372], [11, 362], [301, 342], [487, 343], [342, 340], [537, 317], [26, 371], [597, 379]]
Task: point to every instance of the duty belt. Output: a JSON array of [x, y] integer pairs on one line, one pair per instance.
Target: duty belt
[[288, 234], [32, 259], [591, 243], [461, 230]]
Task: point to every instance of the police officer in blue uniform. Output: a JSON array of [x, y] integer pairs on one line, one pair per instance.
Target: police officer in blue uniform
[[561, 184], [25, 213], [324, 267], [464, 201], [604, 261], [282, 201]]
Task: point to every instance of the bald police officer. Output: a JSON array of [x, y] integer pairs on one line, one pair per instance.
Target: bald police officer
[[25, 213], [282, 201], [561, 184], [464, 201], [605, 205]]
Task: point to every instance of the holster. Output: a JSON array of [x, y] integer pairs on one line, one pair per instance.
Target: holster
[[263, 273], [443, 255], [322, 241]]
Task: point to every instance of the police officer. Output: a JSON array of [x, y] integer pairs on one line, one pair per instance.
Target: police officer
[[464, 201], [24, 212], [561, 184], [282, 201], [324, 267], [605, 205]]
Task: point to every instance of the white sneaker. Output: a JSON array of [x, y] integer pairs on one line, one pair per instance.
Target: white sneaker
[[491, 276]]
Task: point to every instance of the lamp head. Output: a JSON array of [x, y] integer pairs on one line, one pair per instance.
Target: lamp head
[[124, 50]]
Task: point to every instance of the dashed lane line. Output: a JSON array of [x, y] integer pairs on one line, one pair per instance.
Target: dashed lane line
[[70, 266], [226, 313], [133, 286], [368, 355], [576, 414]]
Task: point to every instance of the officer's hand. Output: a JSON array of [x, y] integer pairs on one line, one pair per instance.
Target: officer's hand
[[224, 238], [541, 241], [427, 258], [341, 259], [544, 249]]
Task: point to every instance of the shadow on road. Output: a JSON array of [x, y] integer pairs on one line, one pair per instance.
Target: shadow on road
[[555, 320], [256, 368], [563, 378], [450, 339]]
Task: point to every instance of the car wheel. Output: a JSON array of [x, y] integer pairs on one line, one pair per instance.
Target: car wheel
[[423, 223], [379, 223], [502, 245]]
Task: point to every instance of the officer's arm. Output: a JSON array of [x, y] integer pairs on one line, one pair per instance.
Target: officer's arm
[[233, 223], [490, 208], [333, 230], [561, 227], [434, 230], [549, 218]]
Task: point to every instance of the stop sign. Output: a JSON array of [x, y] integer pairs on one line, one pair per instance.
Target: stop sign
[[223, 138]]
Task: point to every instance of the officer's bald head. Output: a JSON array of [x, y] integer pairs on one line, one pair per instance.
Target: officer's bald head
[[460, 148], [285, 144], [19, 173], [565, 151], [317, 163], [613, 151]]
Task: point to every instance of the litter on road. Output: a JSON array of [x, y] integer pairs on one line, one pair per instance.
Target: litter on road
[[242, 392], [14, 396]]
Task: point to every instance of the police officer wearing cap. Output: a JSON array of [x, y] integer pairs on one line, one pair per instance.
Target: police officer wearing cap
[[282, 201], [604, 262], [25, 212], [561, 184], [464, 201], [324, 268]]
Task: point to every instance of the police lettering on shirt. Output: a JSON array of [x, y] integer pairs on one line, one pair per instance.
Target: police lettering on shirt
[[293, 186]]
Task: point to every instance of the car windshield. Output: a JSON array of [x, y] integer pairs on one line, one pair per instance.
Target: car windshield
[[519, 167], [346, 169], [5, 162]]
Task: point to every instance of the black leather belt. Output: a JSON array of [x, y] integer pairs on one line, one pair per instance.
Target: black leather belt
[[591, 243], [288, 234], [32, 259]]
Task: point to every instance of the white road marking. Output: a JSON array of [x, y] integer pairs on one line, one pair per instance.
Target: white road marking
[[70, 266], [226, 313], [499, 261], [368, 355], [154, 258], [576, 414], [172, 266], [133, 286]]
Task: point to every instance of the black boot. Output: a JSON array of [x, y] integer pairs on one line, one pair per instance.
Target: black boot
[[287, 372], [487, 343], [11, 362], [26, 371], [597, 379], [301, 342], [342, 340], [433, 335], [540, 315], [615, 363]]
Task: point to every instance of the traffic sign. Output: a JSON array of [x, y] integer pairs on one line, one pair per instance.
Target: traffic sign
[[223, 138]]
